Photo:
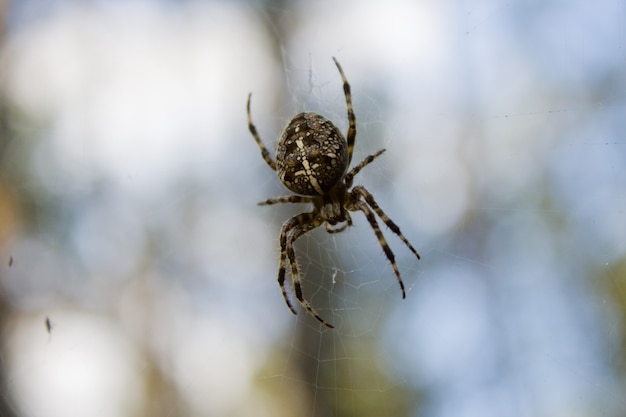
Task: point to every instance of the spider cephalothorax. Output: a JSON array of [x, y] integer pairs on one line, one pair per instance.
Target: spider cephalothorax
[[311, 160]]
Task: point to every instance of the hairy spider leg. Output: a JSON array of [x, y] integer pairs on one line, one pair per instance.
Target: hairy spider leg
[[286, 199], [293, 229], [369, 198], [287, 227], [264, 152], [352, 173], [351, 135], [296, 278], [369, 215]]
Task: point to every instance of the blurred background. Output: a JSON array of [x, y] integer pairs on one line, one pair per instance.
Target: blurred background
[[138, 275]]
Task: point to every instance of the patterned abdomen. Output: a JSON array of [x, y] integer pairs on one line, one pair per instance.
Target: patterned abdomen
[[312, 155]]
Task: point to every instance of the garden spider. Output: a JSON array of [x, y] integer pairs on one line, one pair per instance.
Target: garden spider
[[311, 160]]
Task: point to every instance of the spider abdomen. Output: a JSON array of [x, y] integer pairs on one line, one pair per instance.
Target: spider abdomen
[[312, 155]]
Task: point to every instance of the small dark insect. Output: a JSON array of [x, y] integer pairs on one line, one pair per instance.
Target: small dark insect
[[311, 160], [49, 325], [10, 261]]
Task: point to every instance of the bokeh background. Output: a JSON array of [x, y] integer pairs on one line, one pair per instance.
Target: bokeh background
[[138, 275]]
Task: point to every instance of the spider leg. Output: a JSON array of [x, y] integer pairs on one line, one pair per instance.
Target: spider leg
[[369, 215], [264, 152], [351, 174], [341, 228], [351, 135], [286, 199], [285, 230], [369, 198], [302, 224]]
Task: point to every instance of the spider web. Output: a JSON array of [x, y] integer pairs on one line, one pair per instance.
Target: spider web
[[137, 275]]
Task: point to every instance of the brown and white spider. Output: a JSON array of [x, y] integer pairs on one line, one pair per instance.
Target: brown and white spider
[[311, 160]]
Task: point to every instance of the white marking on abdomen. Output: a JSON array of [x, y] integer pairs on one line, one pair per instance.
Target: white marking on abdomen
[[307, 168]]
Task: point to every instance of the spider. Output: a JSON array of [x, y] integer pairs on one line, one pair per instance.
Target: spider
[[311, 160]]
